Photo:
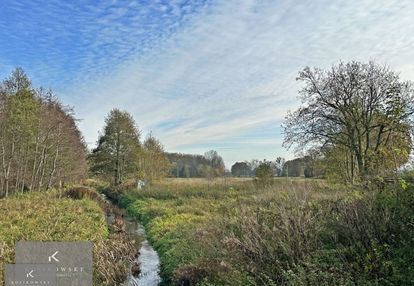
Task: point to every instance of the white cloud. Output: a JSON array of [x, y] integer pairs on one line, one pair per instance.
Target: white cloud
[[228, 69], [233, 68]]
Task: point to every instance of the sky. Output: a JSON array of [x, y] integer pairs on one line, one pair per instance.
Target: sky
[[198, 74]]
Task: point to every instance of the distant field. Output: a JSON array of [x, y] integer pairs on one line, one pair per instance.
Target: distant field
[[196, 182], [222, 182]]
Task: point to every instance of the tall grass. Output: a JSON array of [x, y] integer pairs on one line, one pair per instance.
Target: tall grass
[[293, 232], [53, 216], [181, 216]]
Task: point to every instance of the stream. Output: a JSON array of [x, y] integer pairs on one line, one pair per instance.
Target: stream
[[148, 258]]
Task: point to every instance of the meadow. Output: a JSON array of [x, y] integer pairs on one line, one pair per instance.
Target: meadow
[[53, 216], [293, 232], [234, 231]]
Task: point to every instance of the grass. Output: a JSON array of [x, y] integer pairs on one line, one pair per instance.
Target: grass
[[294, 232], [177, 213], [48, 216]]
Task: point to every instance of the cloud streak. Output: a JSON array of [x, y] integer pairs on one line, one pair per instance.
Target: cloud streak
[[210, 74]]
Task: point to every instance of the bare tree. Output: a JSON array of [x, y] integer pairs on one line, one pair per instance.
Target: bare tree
[[216, 162]]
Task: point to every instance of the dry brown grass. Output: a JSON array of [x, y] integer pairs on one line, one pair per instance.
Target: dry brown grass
[[198, 182]]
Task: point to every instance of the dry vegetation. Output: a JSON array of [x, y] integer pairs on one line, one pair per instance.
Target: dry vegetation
[[56, 216], [294, 232]]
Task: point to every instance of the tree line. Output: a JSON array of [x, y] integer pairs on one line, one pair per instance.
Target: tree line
[[41, 145], [306, 166], [120, 155], [355, 123], [249, 168], [209, 165]]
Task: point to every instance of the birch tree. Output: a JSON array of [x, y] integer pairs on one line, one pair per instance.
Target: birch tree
[[40, 144]]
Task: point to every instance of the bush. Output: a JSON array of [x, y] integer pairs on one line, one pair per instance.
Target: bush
[[264, 174], [363, 238], [79, 193]]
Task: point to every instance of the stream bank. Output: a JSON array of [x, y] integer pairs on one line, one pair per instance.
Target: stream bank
[[147, 258]]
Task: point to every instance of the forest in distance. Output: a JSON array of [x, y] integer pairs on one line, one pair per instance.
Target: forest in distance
[[340, 213]]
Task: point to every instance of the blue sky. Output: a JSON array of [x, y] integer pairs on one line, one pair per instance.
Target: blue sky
[[199, 74]]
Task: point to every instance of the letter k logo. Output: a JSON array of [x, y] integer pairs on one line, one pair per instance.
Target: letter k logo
[[30, 274], [53, 256]]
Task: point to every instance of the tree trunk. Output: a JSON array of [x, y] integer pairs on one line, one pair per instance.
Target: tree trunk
[[53, 171], [360, 163], [34, 163]]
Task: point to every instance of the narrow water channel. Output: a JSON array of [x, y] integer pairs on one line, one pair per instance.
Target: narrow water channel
[[147, 259]]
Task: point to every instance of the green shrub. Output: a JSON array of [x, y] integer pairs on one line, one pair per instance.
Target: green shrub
[[264, 174]]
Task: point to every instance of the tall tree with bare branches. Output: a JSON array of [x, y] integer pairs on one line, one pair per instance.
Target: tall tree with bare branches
[[363, 109]]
